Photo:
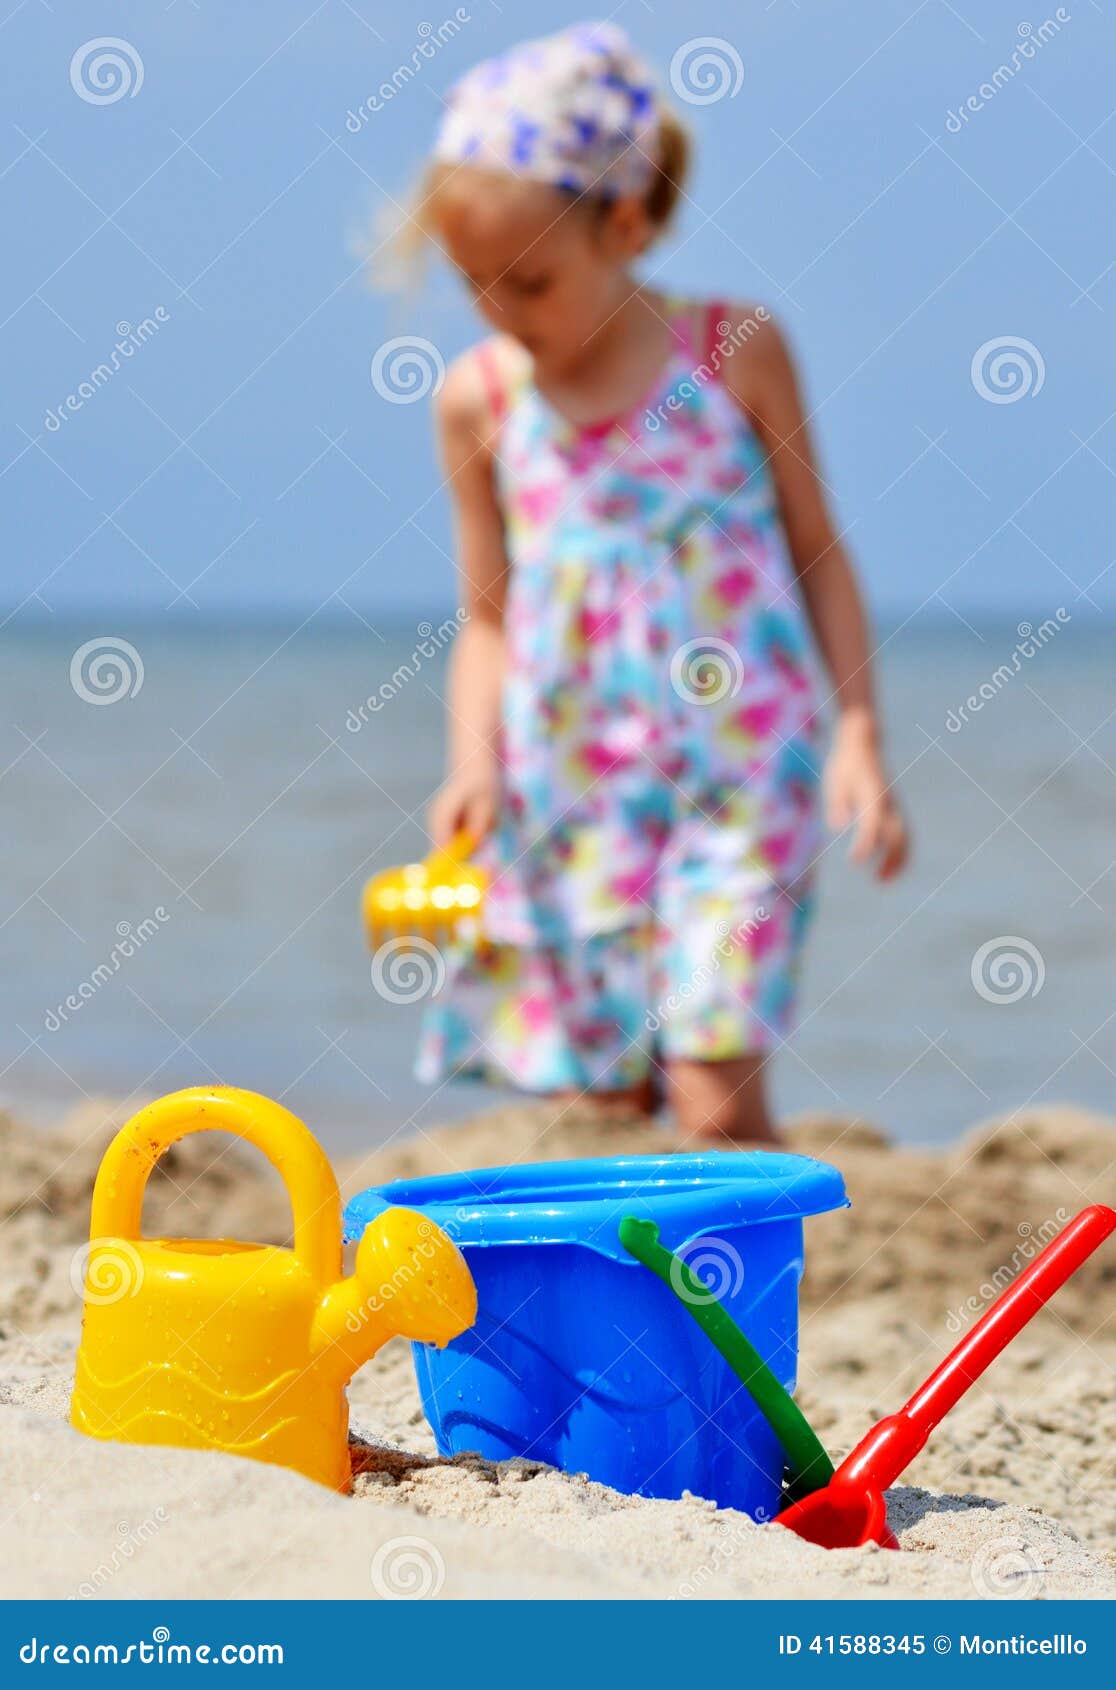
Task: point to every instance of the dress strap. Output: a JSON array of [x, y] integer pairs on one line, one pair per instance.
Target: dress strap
[[712, 333], [697, 327], [495, 390]]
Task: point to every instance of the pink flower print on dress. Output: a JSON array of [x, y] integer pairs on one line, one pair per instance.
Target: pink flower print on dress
[[791, 672], [595, 626], [634, 888], [760, 719], [778, 850], [762, 936], [584, 451], [736, 585], [593, 1034], [602, 756], [674, 466], [731, 479], [539, 503], [537, 1011]]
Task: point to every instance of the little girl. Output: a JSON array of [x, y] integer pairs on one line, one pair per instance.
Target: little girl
[[633, 720]]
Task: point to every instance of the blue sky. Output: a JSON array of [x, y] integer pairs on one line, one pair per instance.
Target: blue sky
[[241, 460]]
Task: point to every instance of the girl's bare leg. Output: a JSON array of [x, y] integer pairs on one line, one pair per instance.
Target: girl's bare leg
[[720, 1104], [611, 1105]]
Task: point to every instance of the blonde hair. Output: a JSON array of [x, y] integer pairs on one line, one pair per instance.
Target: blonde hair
[[418, 227]]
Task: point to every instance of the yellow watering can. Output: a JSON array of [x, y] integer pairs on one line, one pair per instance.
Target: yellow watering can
[[425, 900], [246, 1348]]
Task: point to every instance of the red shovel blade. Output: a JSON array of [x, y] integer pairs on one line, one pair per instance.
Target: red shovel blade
[[850, 1510], [841, 1517]]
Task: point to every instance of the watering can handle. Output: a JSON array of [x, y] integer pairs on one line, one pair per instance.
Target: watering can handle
[[288, 1145], [458, 849]]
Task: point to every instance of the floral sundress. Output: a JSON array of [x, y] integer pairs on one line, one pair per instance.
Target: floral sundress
[[651, 864]]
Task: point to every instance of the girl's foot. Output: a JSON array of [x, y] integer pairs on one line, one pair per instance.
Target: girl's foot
[[721, 1105]]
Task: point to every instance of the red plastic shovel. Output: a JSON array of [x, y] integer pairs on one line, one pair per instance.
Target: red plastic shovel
[[850, 1510]]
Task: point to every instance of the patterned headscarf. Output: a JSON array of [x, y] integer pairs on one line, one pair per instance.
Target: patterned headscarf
[[578, 110]]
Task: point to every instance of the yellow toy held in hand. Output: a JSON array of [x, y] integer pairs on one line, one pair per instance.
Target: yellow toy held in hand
[[425, 900], [247, 1348]]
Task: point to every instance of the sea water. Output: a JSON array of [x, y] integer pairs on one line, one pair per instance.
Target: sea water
[[183, 865]]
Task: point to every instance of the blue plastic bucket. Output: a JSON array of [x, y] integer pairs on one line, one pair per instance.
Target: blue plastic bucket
[[581, 1357]]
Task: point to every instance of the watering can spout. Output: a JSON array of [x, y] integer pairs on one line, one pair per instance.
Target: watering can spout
[[410, 1282]]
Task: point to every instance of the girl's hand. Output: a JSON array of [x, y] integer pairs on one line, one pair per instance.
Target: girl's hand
[[469, 799], [857, 794]]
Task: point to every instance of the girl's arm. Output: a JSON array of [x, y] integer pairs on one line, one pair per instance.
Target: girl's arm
[[761, 377], [470, 795]]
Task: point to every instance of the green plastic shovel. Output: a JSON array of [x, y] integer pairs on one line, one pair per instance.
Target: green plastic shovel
[[808, 1466]]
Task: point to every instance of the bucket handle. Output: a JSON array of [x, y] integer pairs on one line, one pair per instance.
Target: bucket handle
[[287, 1143]]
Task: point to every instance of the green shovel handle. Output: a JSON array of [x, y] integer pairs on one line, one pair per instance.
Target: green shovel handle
[[808, 1465]]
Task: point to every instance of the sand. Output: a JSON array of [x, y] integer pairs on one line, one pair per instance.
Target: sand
[[1014, 1498]]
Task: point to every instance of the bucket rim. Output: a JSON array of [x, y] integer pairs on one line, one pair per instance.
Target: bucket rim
[[582, 1202]]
